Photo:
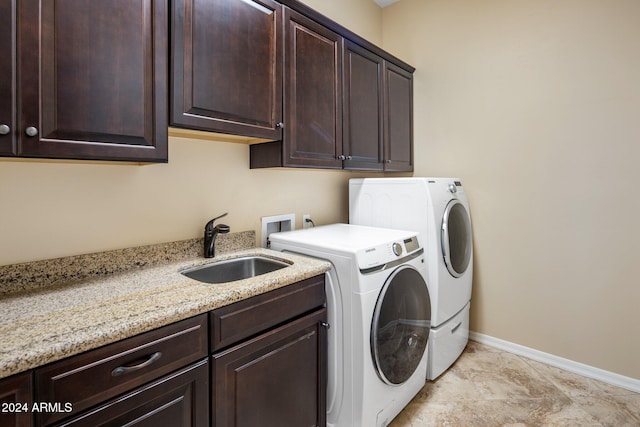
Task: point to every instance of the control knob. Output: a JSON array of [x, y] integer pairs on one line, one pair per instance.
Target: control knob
[[397, 249], [452, 188]]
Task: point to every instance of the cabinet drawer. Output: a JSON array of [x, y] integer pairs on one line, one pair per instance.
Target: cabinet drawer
[[97, 375], [177, 400], [246, 318]]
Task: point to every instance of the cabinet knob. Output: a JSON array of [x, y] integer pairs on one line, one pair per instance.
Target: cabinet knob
[[342, 157], [4, 129], [349, 157], [31, 131], [325, 325], [279, 125]]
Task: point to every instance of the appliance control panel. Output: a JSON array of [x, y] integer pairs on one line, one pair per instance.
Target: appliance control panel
[[382, 254]]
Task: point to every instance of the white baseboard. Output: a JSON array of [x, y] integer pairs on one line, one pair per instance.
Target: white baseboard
[[559, 362]]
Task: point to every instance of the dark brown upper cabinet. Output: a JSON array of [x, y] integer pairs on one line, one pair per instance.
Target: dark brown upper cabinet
[[398, 126], [276, 71], [226, 66], [313, 88], [92, 79], [312, 99], [7, 77], [363, 109], [378, 112], [342, 99]]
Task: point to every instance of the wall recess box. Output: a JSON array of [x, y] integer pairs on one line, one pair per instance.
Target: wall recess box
[[274, 224]]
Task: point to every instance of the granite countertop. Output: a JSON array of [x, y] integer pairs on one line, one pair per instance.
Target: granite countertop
[[47, 323]]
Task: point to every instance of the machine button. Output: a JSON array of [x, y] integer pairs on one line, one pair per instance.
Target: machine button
[[397, 249]]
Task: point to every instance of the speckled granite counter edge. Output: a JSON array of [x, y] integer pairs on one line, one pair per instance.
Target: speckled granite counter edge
[[51, 323]]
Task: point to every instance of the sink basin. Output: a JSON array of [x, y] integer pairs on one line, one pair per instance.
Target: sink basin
[[234, 269]]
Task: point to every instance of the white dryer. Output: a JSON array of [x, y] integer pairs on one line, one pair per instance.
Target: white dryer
[[438, 208], [379, 311]]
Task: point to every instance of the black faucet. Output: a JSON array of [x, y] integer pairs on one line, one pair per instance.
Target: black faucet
[[210, 234]]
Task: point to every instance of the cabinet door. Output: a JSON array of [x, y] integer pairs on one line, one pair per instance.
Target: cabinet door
[[398, 134], [363, 78], [16, 390], [178, 400], [93, 79], [313, 94], [276, 379], [7, 76], [227, 66]]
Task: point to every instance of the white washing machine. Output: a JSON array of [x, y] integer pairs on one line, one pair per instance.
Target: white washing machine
[[438, 208], [379, 311]]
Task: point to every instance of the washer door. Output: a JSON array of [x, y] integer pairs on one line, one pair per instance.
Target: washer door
[[456, 238], [400, 327]]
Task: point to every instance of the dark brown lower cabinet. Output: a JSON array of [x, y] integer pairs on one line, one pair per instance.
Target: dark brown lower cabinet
[[16, 400], [177, 400], [276, 379], [269, 369]]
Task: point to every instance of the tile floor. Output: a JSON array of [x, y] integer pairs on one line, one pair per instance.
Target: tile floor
[[489, 387]]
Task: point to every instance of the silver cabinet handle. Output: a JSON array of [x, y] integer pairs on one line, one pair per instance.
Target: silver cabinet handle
[[325, 325], [31, 131], [280, 125], [4, 129], [342, 157], [121, 370], [349, 157]]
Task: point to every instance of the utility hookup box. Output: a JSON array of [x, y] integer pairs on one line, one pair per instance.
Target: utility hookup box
[[275, 224]]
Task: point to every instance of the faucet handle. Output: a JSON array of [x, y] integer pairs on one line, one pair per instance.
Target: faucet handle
[[221, 216], [209, 226]]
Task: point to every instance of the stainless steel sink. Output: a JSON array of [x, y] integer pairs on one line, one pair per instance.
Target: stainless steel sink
[[234, 269]]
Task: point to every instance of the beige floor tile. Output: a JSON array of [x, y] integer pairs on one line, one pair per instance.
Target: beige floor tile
[[574, 384], [488, 387], [614, 411], [542, 412], [456, 413]]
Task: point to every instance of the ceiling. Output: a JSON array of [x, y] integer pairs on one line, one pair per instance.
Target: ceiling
[[385, 3]]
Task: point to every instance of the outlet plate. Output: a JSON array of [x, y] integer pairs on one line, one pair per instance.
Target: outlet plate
[[306, 224]]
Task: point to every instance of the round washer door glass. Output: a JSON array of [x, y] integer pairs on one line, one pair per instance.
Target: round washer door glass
[[456, 238], [400, 327]]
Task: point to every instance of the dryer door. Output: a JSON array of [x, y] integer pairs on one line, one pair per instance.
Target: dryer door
[[456, 238], [400, 327]]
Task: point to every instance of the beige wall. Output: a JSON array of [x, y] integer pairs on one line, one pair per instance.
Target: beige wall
[[363, 17], [58, 209], [536, 106]]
